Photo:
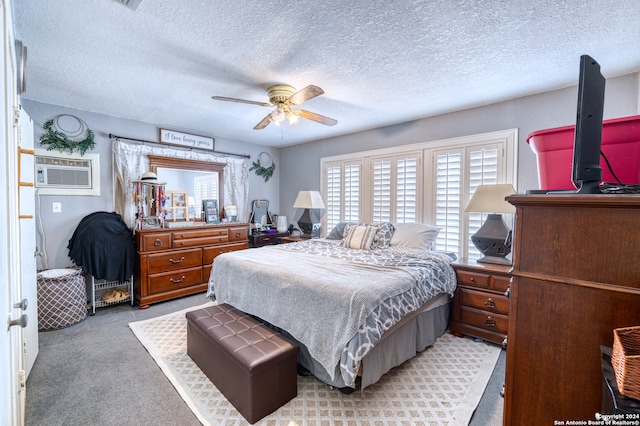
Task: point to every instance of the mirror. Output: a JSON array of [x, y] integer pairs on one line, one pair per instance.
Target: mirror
[[199, 180], [260, 212]]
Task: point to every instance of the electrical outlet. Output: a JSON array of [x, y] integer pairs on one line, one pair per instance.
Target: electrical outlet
[[57, 207]]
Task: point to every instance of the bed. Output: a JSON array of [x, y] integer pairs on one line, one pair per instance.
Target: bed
[[359, 302]]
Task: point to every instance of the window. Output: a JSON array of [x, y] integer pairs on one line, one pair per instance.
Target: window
[[341, 192], [429, 183], [206, 187], [457, 174], [394, 188]]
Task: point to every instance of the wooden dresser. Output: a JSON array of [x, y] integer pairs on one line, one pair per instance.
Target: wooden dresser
[[576, 277], [177, 262], [480, 307]]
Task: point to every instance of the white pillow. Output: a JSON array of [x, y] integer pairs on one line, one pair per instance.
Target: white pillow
[[414, 235]]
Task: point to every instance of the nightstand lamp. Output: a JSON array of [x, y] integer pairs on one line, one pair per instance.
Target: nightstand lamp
[[309, 224], [493, 239]]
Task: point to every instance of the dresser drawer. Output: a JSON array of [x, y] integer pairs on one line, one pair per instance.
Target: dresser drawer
[[209, 253], [501, 283], [176, 259], [265, 240], [175, 280], [199, 233], [239, 233], [476, 279], [489, 321], [483, 301], [473, 279], [202, 241], [155, 242]]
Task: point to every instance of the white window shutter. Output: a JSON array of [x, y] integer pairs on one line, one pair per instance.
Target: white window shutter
[[483, 170], [332, 196], [351, 192], [406, 190], [448, 182], [341, 193]]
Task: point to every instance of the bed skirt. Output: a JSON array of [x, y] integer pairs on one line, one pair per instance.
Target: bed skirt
[[402, 342]]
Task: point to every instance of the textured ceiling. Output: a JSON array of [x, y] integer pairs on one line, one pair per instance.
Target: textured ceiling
[[379, 62]]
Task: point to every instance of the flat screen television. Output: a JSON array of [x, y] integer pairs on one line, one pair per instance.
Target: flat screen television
[[586, 170]]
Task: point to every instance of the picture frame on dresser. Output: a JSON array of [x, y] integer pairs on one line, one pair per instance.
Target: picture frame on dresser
[[176, 208], [211, 213]]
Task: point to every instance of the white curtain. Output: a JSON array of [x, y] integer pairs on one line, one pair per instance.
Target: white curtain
[[132, 159]]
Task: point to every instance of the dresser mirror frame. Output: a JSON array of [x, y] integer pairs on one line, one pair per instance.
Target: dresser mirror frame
[[260, 208], [157, 163]]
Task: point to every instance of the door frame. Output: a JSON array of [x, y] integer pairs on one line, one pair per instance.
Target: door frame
[[12, 377]]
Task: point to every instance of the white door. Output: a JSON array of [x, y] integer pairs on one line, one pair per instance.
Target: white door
[[28, 239], [12, 359]]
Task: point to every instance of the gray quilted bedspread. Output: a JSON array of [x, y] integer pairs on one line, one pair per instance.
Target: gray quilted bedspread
[[335, 301]]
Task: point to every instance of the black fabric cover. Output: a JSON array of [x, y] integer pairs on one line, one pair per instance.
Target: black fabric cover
[[104, 247]]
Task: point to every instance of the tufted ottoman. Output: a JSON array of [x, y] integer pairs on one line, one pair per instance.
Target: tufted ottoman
[[253, 366]]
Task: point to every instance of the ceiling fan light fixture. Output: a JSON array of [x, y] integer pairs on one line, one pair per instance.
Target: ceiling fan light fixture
[[292, 116], [277, 116], [283, 97]]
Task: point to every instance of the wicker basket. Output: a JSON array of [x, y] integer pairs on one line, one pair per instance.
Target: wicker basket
[[625, 359]]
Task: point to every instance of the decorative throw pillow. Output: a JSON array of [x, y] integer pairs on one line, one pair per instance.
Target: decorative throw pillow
[[359, 236], [414, 235], [337, 233], [383, 235]]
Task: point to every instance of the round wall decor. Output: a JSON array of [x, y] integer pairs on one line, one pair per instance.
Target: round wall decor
[[264, 166], [59, 131]]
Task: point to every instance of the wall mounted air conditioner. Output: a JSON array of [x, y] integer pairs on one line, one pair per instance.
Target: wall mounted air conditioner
[[59, 173]]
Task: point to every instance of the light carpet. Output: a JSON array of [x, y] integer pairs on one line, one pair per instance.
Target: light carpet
[[440, 386]]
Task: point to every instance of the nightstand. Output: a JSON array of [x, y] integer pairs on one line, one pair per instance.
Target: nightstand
[[263, 239], [291, 239], [480, 307]]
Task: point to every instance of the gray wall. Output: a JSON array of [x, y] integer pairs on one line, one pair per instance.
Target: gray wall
[[55, 229], [301, 165], [298, 167]]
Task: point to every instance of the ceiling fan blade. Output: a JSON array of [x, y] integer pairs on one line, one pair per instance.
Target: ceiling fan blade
[[316, 117], [242, 101], [305, 94], [264, 123]]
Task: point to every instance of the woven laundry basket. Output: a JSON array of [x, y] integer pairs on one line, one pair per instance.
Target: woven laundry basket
[[62, 298], [625, 359]]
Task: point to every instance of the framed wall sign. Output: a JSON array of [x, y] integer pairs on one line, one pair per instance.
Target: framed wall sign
[[171, 137]]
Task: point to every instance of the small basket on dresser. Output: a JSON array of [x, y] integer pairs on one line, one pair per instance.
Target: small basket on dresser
[[625, 360]]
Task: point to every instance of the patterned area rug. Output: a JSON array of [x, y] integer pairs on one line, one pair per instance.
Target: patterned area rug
[[440, 386]]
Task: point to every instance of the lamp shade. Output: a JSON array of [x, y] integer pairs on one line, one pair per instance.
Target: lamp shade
[[491, 199], [308, 200]]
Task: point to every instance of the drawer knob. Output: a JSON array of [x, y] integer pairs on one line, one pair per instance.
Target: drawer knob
[[177, 281], [176, 261], [472, 279], [157, 242], [490, 303], [490, 322], [238, 234]]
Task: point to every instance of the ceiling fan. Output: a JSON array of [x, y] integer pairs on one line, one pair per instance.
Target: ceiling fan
[[283, 97]]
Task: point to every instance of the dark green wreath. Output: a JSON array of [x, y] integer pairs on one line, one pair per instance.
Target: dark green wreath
[[53, 139], [265, 172]]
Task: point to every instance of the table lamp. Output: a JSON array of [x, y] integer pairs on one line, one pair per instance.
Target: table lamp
[[308, 223], [493, 239]]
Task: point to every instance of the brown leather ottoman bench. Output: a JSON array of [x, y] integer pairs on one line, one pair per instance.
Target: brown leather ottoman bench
[[253, 366]]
